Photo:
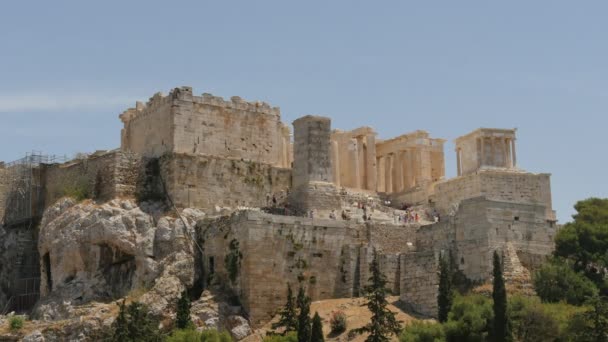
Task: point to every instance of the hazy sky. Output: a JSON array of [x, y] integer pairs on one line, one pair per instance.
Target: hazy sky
[[67, 69]]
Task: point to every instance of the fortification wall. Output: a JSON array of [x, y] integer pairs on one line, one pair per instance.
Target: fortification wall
[[273, 251], [516, 187], [113, 174], [419, 282], [208, 125], [206, 182], [481, 226], [148, 129], [3, 190], [329, 257]]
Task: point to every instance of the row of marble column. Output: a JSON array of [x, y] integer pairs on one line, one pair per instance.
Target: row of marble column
[[361, 170], [394, 172], [496, 152]]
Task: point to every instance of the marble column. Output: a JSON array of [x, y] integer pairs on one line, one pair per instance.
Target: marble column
[[354, 175], [513, 152], [388, 179], [458, 169], [336, 162], [398, 180], [370, 163]]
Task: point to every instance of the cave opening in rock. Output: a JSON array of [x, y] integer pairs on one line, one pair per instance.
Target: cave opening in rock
[[47, 268]]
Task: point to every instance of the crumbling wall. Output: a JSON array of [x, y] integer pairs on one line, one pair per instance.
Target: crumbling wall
[[207, 125], [110, 175], [148, 128], [420, 282], [258, 254], [205, 182], [3, 189]]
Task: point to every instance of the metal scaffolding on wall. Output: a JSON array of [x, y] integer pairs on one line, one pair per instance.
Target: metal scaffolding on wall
[[23, 208]]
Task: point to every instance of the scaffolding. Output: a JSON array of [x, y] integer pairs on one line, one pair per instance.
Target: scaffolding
[[23, 208], [24, 198]]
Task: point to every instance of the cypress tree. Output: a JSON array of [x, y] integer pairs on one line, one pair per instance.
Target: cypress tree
[[445, 295], [182, 319], [317, 329], [383, 322], [304, 328], [288, 317], [121, 331], [501, 331]]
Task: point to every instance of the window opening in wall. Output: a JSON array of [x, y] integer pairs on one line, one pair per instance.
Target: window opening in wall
[[211, 265], [47, 267], [462, 261], [516, 218]]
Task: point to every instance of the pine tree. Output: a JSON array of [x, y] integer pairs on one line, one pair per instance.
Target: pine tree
[[134, 324], [501, 331], [445, 295], [317, 329], [288, 316], [182, 319], [304, 328], [121, 331], [383, 322]]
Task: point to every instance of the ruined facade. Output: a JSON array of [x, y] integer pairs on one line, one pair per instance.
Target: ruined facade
[[230, 158]]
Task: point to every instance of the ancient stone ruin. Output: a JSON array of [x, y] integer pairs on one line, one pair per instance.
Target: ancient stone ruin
[[267, 209]]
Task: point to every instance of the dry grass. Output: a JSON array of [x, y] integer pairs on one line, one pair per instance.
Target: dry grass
[[357, 315]]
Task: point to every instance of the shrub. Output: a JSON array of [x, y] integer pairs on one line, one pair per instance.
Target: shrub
[[337, 322], [530, 320], [556, 281], [184, 335], [470, 319], [420, 331], [15, 323], [213, 335], [289, 337]]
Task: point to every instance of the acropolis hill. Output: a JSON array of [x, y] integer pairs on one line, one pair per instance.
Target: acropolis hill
[[206, 191]]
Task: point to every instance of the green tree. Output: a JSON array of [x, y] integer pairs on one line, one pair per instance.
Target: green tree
[[445, 295], [556, 280], [288, 316], [304, 323], [182, 319], [592, 325], [469, 320], [383, 322], [585, 241], [317, 329], [421, 331], [501, 331], [531, 321], [134, 324]]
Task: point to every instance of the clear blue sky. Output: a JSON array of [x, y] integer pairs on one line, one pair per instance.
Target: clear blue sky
[[67, 69]]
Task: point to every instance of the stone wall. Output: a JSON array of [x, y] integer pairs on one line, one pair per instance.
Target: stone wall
[[106, 176], [207, 125], [419, 282], [272, 251], [147, 128], [330, 258], [3, 190], [205, 182], [507, 186]]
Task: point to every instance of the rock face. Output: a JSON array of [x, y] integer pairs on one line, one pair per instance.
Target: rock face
[[106, 251], [92, 253]]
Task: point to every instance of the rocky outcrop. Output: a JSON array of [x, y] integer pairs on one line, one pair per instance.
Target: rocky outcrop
[[93, 251], [94, 255]]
